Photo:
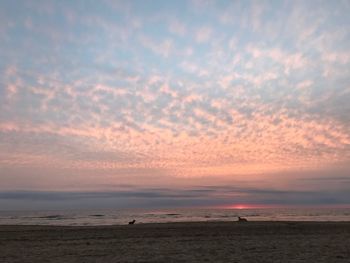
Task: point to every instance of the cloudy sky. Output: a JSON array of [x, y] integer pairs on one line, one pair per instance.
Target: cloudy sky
[[174, 103]]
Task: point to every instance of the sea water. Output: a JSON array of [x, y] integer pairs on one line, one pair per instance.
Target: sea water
[[120, 217]]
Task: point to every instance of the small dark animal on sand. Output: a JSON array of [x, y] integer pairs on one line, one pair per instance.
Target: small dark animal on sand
[[241, 219], [132, 222]]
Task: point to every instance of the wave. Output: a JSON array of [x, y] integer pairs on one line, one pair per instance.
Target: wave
[[53, 217]]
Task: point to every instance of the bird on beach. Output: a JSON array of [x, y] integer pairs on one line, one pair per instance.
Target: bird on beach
[[132, 222], [241, 219]]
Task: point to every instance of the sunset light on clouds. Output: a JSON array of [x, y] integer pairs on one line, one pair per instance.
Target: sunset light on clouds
[[174, 103]]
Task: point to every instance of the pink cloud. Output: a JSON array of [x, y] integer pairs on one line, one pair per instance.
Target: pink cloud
[[290, 61], [163, 48], [203, 34]]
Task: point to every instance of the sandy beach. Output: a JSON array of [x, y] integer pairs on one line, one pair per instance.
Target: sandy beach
[[179, 242]]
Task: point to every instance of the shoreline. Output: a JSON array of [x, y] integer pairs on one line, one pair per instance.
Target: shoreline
[[229, 241], [213, 222], [257, 222]]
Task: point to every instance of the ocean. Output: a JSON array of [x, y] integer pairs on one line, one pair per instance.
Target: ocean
[[120, 217]]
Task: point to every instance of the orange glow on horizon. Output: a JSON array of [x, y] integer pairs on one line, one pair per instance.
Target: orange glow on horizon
[[240, 207], [249, 206]]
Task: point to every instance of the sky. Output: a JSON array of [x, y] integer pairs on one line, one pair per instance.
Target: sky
[[174, 103]]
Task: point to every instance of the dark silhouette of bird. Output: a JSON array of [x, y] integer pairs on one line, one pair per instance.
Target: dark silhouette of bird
[[132, 222]]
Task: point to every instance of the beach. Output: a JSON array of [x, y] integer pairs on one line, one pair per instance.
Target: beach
[[179, 242]]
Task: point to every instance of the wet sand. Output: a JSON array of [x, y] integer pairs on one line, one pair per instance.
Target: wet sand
[[179, 242]]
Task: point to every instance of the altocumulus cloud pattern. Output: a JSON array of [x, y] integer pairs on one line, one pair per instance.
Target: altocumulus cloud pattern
[[95, 95]]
